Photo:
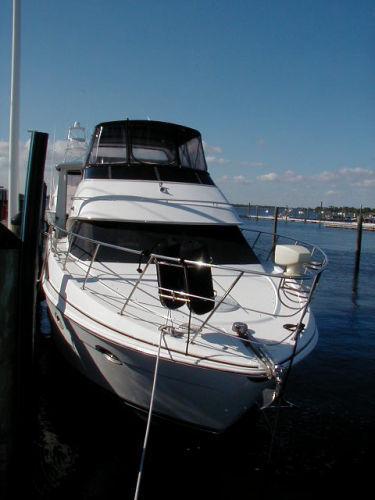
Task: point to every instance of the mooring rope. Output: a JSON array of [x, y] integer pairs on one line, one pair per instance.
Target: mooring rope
[[145, 441], [283, 383]]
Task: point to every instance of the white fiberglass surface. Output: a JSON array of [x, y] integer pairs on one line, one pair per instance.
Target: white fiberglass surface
[[253, 300], [117, 199]]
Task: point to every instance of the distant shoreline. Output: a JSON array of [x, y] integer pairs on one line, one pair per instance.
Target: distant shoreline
[[366, 226]]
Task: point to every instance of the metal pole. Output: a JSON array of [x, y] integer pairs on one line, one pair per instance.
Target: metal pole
[[14, 114], [257, 212], [151, 259], [91, 263], [248, 210], [68, 252], [218, 304]]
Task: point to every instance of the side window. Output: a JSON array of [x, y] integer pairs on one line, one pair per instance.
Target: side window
[[192, 155]]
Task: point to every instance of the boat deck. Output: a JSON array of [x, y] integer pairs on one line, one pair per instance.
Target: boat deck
[[102, 293]]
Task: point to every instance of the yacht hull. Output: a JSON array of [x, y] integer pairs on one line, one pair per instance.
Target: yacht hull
[[144, 246], [210, 399]]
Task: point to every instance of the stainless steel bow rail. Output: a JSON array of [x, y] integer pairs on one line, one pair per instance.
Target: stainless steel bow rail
[[294, 293]]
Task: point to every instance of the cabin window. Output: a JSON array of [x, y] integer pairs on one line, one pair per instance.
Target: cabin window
[[224, 244]]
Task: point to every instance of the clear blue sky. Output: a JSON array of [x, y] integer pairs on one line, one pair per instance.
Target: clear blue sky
[[282, 91]]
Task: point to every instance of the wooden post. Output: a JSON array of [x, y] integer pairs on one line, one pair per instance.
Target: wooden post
[[248, 210], [276, 215], [27, 290], [9, 321], [257, 213], [358, 245], [306, 213]]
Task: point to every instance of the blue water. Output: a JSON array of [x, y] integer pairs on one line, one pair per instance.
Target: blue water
[[89, 444]]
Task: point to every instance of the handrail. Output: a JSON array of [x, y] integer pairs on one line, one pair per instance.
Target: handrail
[[302, 291], [177, 260], [295, 241]]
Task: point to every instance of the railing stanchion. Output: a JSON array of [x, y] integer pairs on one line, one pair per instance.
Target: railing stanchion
[[136, 284], [219, 303], [256, 240], [53, 240], [68, 251], [91, 263]]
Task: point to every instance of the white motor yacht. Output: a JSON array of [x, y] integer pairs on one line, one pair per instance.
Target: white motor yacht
[[147, 265]]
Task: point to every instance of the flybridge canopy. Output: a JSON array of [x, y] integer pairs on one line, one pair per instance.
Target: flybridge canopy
[[140, 143]]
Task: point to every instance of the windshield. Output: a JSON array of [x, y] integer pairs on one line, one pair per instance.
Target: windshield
[[152, 145], [147, 142], [109, 145], [223, 244]]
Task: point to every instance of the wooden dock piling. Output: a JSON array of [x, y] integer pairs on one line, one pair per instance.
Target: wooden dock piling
[[18, 292], [275, 219], [358, 244], [10, 248]]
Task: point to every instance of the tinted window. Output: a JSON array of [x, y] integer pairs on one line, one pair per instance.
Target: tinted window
[[224, 244], [148, 172]]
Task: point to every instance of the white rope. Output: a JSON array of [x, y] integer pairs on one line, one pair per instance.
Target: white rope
[[140, 471]]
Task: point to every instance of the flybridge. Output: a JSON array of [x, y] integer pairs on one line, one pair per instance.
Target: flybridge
[[148, 150]]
